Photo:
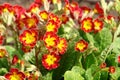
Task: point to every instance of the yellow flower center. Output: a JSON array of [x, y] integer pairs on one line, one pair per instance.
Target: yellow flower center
[[97, 25], [50, 41], [2, 53], [15, 77], [61, 45], [29, 38], [80, 46], [34, 10], [50, 27], [87, 24], [50, 59], [31, 22], [44, 15]]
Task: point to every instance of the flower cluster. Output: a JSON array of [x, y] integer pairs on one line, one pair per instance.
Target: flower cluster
[[51, 33]]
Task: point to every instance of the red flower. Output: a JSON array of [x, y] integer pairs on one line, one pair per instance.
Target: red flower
[[26, 48], [50, 61], [14, 74], [86, 9], [118, 59], [44, 15], [51, 26], [31, 22], [103, 65], [1, 39], [6, 7], [28, 37], [111, 69], [34, 8], [62, 45], [98, 9], [55, 18], [3, 53], [81, 45], [87, 24], [19, 11], [15, 59], [98, 25], [20, 24], [50, 39], [64, 18]]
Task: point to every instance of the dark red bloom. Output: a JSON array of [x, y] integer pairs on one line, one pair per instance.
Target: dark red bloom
[[15, 59], [50, 61], [103, 65], [111, 69], [14, 74]]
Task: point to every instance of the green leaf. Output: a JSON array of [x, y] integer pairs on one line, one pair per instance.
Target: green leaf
[[88, 74], [89, 60], [104, 75], [103, 39], [78, 69], [4, 63], [117, 5], [71, 75], [111, 60], [48, 76], [3, 71]]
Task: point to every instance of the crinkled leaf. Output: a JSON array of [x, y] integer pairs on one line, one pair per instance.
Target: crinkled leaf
[[71, 75]]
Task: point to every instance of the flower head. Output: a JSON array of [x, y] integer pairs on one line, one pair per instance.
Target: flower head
[[1, 39], [26, 48], [62, 45], [50, 39], [87, 24], [14, 74], [103, 65], [31, 22], [81, 45], [44, 15], [28, 37], [55, 18], [85, 9], [33, 8], [15, 59], [111, 69], [50, 61], [51, 26], [98, 25], [3, 53], [98, 9], [64, 18]]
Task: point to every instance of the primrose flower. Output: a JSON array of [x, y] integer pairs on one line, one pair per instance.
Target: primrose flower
[[50, 39], [55, 18], [98, 25], [3, 53], [20, 24], [34, 8], [81, 45], [51, 26], [1, 39], [31, 22], [26, 48], [103, 65], [62, 45], [28, 37], [6, 8], [44, 15], [87, 24], [50, 61], [98, 9], [15, 59], [85, 9], [14, 74], [111, 69], [64, 18]]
